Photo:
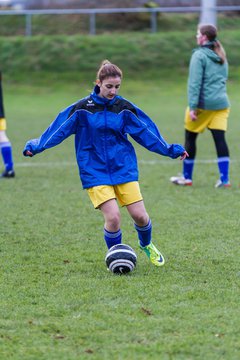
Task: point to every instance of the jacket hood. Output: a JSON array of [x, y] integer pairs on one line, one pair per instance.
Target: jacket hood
[[207, 49]]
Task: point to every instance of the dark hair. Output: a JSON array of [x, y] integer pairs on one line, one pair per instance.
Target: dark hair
[[107, 69], [211, 33]]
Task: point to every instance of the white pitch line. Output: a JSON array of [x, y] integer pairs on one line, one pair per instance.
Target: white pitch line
[[141, 161], [199, 161], [45, 164]]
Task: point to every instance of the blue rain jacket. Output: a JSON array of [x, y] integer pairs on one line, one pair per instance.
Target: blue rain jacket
[[101, 127]]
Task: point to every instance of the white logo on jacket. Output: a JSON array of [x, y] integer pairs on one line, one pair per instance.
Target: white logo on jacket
[[90, 103]]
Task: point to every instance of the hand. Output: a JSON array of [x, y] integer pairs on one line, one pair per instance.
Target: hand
[[28, 153], [193, 115], [184, 155]]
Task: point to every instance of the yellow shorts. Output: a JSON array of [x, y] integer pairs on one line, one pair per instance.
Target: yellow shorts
[[3, 124], [126, 194], [207, 119]]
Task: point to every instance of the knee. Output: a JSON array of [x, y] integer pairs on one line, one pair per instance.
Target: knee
[[141, 219], [3, 136], [113, 221]]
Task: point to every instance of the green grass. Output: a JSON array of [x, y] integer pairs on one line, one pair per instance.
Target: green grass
[[137, 52], [57, 301]]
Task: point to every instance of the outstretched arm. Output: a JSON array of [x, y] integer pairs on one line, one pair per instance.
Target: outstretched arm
[[62, 127], [143, 130]]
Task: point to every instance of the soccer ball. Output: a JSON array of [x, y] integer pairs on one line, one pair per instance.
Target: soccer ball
[[121, 259]]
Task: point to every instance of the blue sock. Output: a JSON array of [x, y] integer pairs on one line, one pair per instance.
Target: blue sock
[[6, 150], [112, 238], [144, 233], [188, 165], [223, 166]]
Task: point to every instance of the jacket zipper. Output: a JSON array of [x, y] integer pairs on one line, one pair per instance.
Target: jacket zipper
[[105, 145]]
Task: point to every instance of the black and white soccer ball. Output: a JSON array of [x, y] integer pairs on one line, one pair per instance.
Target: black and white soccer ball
[[121, 259]]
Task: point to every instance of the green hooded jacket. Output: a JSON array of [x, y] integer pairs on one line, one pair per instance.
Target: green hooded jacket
[[207, 80]]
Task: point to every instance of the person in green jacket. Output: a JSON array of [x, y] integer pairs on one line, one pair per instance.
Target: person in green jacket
[[208, 104]]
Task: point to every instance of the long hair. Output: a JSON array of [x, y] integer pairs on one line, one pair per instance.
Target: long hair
[[107, 69], [211, 33]]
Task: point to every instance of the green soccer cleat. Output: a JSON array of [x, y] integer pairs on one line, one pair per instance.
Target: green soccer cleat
[[154, 255]]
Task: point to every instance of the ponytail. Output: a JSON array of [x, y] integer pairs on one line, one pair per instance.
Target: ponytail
[[219, 50]]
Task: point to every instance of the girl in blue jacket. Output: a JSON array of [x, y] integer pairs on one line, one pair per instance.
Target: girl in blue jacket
[[208, 104], [106, 158]]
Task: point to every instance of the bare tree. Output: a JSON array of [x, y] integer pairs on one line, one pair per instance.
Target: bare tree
[[208, 13]]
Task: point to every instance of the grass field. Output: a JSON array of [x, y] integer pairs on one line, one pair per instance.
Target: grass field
[[57, 300]]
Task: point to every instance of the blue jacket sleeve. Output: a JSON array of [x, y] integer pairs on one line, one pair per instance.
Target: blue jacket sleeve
[[143, 130], [61, 128]]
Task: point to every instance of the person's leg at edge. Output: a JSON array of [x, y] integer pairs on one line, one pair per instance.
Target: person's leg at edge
[[6, 152], [191, 148], [112, 231], [143, 226], [222, 157], [188, 164]]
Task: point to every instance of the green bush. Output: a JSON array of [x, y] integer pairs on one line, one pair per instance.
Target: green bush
[[136, 53]]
